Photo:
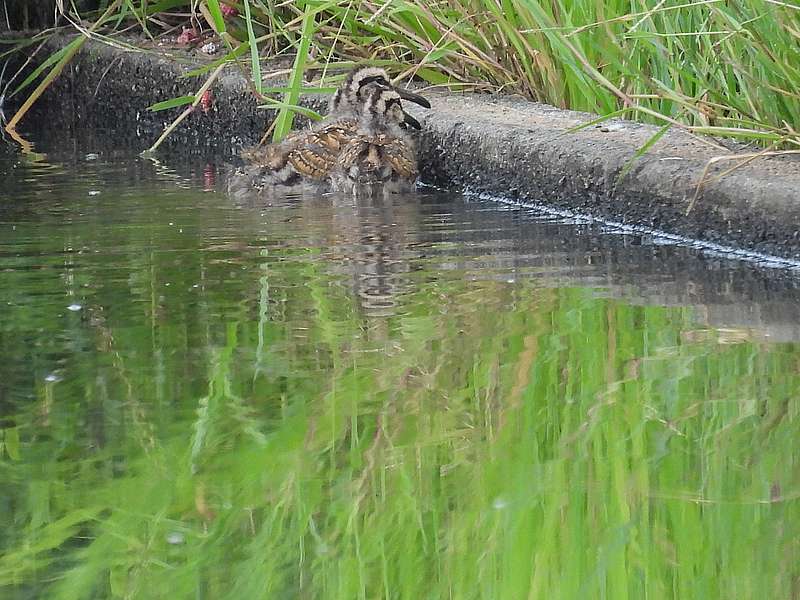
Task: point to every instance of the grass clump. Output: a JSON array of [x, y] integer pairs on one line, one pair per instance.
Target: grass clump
[[720, 68]]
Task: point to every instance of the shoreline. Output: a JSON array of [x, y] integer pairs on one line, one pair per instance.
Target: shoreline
[[486, 144]]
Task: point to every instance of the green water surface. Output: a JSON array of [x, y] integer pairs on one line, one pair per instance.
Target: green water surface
[[422, 397]]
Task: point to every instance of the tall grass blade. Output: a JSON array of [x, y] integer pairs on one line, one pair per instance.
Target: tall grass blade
[[255, 60], [217, 17], [283, 122]]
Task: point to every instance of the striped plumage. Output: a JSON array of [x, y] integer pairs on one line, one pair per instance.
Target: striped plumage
[[381, 153], [308, 159], [349, 98]]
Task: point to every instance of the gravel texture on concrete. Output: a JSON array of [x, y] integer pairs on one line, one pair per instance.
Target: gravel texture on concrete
[[517, 149], [498, 145]]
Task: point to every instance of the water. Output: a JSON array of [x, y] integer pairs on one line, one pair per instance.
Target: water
[[422, 397]]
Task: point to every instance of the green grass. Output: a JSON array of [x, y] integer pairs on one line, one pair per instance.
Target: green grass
[[728, 69]]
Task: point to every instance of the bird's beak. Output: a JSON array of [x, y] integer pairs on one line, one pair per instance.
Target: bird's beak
[[412, 97], [410, 121]]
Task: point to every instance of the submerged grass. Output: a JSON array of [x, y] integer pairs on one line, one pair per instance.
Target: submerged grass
[[721, 68]]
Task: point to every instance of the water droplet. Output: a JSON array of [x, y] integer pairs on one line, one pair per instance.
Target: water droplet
[[175, 538], [499, 503], [74, 307]]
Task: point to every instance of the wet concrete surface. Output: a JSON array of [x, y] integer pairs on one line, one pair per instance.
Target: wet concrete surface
[[524, 150], [483, 143]]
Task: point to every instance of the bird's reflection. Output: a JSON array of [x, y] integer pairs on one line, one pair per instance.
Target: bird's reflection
[[382, 233], [373, 241]]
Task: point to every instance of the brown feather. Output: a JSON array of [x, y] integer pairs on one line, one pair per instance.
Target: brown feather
[[310, 154], [371, 155], [312, 161], [315, 155], [400, 156], [273, 156]]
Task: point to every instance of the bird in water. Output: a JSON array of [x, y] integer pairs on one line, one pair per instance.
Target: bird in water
[[305, 160], [381, 153]]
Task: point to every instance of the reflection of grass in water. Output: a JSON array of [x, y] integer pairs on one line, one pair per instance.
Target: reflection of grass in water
[[488, 442]]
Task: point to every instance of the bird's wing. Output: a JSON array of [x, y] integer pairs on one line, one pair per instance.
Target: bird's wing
[[315, 155], [333, 136], [273, 156], [313, 161], [352, 153], [400, 155]]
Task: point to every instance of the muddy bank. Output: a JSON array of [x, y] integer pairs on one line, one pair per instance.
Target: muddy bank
[[497, 145]]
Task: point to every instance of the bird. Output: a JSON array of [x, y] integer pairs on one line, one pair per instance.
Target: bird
[[381, 153], [305, 159], [302, 161]]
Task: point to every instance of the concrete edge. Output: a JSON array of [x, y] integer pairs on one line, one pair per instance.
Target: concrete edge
[[495, 145]]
